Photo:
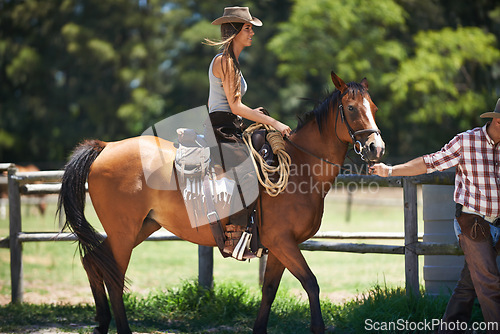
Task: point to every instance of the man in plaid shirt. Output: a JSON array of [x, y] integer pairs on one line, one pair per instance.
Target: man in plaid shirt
[[476, 156]]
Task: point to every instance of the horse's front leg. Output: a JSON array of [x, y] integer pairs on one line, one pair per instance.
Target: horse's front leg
[[272, 279], [288, 253]]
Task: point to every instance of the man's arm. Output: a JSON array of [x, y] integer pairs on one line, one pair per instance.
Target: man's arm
[[411, 168]]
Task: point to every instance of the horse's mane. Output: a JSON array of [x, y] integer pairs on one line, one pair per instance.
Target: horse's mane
[[321, 111]]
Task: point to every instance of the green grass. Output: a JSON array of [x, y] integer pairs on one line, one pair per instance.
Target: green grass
[[51, 267], [231, 308], [163, 297]]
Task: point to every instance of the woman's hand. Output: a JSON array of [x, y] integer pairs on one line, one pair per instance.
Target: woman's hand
[[282, 128]]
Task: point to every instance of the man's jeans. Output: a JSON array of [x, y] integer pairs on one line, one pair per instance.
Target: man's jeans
[[480, 277]]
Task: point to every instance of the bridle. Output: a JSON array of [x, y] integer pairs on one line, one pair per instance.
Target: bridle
[[357, 146], [352, 133]]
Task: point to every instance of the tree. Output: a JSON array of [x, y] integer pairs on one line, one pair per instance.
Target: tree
[[73, 69], [447, 77], [353, 38], [422, 65]]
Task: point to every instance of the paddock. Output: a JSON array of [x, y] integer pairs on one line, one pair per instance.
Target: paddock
[[24, 183]]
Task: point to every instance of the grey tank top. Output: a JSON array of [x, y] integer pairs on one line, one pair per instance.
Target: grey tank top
[[217, 100]]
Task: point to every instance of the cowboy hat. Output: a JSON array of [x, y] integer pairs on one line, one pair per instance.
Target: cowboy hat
[[237, 14], [493, 114]]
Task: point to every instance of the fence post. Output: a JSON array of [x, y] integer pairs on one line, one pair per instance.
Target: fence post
[[15, 227], [411, 237], [206, 266]]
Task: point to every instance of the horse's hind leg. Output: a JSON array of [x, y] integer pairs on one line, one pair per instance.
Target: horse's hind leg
[[103, 313], [121, 247], [106, 266], [122, 250], [272, 279]]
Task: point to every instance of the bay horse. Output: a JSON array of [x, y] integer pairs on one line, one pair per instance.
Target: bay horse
[[130, 211]]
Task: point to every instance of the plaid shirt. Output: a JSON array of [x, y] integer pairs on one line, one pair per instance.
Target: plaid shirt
[[477, 177]]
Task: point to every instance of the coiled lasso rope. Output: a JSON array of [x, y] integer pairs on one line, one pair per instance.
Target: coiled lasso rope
[[278, 146]]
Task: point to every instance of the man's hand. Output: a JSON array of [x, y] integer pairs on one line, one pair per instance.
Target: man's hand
[[380, 169]]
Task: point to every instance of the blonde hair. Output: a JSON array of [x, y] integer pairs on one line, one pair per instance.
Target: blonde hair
[[228, 33]]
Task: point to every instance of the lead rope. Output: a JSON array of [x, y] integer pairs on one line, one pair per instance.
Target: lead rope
[[277, 143]]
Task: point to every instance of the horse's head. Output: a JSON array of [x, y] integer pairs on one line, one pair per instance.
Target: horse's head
[[355, 119]]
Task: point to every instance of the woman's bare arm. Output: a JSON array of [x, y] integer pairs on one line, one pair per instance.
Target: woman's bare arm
[[238, 107]]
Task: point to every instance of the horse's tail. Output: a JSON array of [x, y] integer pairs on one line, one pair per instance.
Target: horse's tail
[[72, 199]]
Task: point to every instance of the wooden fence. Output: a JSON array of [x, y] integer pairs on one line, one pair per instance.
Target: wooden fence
[[23, 183]]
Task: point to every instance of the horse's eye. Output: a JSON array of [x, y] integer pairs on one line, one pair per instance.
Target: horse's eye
[[350, 108]]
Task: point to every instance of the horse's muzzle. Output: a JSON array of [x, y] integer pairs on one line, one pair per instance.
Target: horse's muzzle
[[374, 148]]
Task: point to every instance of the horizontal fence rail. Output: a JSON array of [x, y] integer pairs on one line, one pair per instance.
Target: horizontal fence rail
[[165, 236], [421, 248], [48, 182]]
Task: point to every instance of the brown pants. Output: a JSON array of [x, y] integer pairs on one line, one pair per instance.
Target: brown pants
[[479, 279]]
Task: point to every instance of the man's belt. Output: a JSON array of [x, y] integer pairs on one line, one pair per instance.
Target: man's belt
[[492, 220]]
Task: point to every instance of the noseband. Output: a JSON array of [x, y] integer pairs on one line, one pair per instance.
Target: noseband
[[358, 147]]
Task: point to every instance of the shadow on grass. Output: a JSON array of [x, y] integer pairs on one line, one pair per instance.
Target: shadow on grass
[[232, 309]]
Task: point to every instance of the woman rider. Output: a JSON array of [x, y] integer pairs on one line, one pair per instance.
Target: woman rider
[[227, 86]]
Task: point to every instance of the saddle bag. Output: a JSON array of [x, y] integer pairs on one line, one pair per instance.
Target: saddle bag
[[262, 146]]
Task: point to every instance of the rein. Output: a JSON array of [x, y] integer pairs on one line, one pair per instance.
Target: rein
[[312, 154], [320, 158]]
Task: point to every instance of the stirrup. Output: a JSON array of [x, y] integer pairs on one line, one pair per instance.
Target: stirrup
[[242, 246]]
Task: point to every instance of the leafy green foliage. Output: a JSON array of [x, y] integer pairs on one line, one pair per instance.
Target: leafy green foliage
[[440, 76], [74, 69], [427, 62], [70, 65], [322, 35]]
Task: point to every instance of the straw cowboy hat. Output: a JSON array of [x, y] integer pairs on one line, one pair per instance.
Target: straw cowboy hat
[[493, 114], [237, 14]]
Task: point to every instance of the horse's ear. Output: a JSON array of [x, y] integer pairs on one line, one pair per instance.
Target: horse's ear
[[339, 83], [364, 83]]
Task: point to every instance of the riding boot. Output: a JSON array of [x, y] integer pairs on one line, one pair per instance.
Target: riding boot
[[239, 218], [238, 242]]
